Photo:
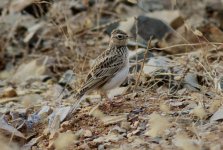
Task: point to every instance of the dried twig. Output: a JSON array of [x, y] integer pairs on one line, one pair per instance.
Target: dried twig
[[143, 63]]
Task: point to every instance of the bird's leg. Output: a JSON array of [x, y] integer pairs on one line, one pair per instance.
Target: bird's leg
[[104, 94], [108, 104]]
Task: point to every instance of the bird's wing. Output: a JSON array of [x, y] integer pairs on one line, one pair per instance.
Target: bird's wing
[[101, 57], [103, 70]]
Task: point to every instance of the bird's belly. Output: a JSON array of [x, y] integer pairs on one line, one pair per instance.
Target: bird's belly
[[117, 80]]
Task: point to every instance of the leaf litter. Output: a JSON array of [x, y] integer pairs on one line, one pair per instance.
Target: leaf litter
[[172, 98]]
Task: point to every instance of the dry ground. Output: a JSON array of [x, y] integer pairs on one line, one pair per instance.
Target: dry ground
[[174, 102]]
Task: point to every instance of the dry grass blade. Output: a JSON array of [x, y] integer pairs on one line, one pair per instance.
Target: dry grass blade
[[143, 63]]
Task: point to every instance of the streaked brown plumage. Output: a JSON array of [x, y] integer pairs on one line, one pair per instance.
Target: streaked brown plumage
[[110, 68]]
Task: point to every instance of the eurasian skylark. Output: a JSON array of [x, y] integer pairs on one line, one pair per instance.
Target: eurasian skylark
[[110, 69]]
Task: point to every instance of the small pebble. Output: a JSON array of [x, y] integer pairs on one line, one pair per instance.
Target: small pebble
[[87, 133]]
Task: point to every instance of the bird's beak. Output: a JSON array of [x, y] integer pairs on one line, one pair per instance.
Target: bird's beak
[[130, 37]]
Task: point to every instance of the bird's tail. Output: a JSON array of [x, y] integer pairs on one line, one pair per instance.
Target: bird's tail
[[78, 96]]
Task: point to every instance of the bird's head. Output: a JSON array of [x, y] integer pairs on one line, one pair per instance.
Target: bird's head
[[118, 37]]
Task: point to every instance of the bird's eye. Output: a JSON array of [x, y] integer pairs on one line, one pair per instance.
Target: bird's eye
[[120, 36]]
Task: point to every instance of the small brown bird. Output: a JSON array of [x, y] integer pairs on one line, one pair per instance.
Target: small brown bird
[[110, 69]]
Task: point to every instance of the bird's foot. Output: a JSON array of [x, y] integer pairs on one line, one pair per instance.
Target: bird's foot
[[110, 105]]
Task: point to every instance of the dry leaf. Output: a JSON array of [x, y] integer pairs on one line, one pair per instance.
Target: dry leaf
[[61, 112], [156, 64], [36, 69], [6, 128], [218, 115], [19, 5], [32, 142]]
